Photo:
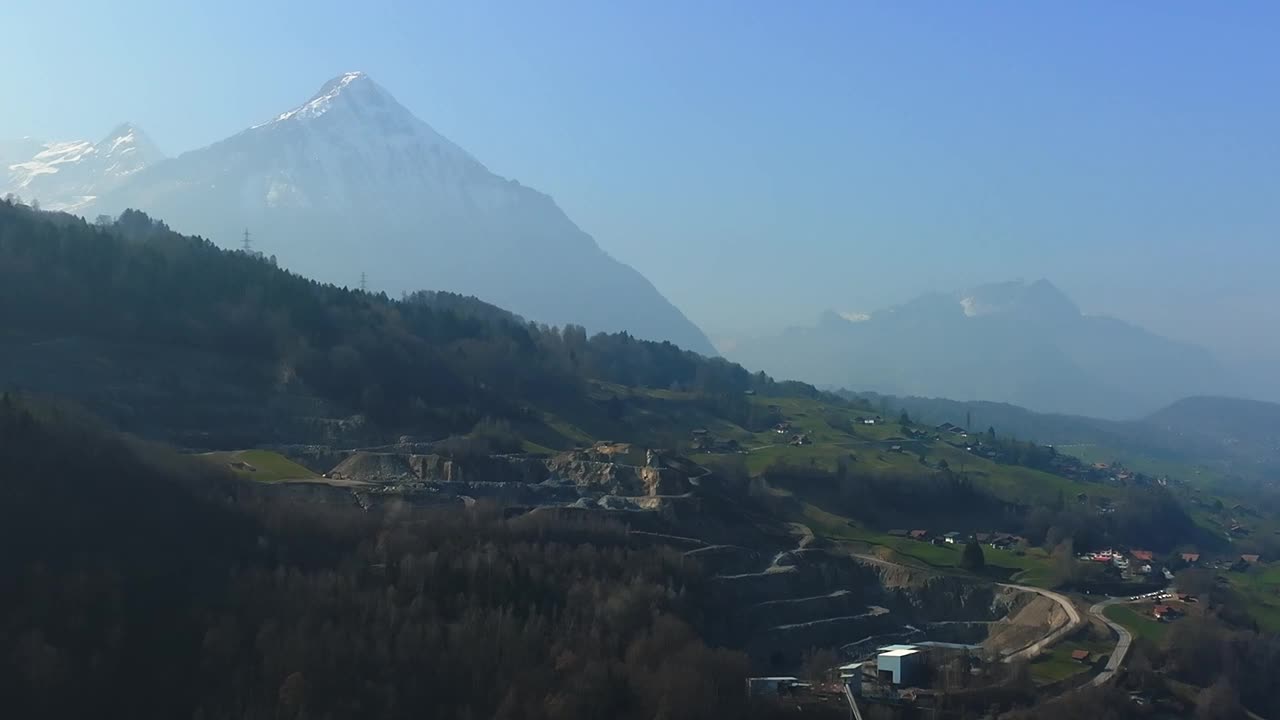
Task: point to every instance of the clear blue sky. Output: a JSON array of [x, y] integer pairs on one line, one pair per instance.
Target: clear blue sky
[[763, 161]]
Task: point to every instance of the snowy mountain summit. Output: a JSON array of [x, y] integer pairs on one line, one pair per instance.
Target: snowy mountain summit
[[70, 175], [354, 88], [351, 182]]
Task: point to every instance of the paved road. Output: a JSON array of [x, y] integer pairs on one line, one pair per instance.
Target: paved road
[[1074, 620], [1073, 623], [1122, 645]]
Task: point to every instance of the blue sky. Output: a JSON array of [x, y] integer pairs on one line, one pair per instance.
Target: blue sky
[[761, 162]]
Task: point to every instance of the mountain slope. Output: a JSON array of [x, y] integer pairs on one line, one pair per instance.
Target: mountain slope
[[1233, 437], [171, 337], [70, 175], [351, 182], [1026, 344]]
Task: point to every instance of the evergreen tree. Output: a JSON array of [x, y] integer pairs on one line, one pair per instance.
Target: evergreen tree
[[972, 559]]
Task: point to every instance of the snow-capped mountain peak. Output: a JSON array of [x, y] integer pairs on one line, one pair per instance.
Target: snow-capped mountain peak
[[126, 150], [349, 90], [68, 175], [352, 181]]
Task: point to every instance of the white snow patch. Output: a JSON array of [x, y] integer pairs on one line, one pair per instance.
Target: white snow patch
[[318, 105], [126, 139], [855, 317]]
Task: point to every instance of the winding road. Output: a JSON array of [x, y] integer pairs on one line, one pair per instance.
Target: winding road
[[1073, 623], [1122, 645], [1032, 651]]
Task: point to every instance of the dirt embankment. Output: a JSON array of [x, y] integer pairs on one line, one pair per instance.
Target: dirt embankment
[[593, 470], [1034, 617], [397, 468]]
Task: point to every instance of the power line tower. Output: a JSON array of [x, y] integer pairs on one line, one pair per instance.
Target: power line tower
[[248, 245], [364, 283]]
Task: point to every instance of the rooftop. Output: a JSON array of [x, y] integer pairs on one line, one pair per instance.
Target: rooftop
[[900, 653]]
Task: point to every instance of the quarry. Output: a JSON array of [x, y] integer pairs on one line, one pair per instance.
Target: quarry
[[785, 593]]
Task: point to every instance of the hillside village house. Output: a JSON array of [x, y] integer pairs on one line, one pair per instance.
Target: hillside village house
[[919, 534], [1190, 558], [951, 538]]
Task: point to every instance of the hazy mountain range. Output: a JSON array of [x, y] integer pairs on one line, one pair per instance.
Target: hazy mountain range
[[352, 184], [71, 175], [1020, 343]]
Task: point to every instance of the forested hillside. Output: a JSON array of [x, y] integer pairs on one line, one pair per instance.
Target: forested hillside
[[139, 583], [433, 361]]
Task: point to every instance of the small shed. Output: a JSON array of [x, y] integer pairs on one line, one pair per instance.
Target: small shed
[[771, 686]]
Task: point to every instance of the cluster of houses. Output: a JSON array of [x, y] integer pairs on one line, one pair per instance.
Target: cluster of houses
[[950, 429], [1141, 562], [706, 442], [999, 541]]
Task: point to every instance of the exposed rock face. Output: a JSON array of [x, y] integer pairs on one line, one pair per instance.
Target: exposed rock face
[[498, 468], [582, 469], [390, 468], [374, 468], [595, 470]]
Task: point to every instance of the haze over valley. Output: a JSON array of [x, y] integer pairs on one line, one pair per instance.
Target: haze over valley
[[661, 361]]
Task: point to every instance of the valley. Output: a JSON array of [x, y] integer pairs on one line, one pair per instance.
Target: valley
[[674, 505]]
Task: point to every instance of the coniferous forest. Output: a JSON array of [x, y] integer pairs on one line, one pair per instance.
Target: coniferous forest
[[139, 583]]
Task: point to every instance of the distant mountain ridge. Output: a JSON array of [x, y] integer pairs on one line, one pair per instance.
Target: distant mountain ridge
[[351, 183], [1238, 437], [1021, 343], [71, 175]]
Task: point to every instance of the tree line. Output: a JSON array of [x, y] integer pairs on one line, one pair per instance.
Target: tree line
[[143, 584], [428, 359]]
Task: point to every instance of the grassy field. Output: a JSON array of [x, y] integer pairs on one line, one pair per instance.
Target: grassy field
[[1138, 622], [835, 436], [1032, 567], [1260, 590], [1057, 664], [1156, 467], [261, 465]]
